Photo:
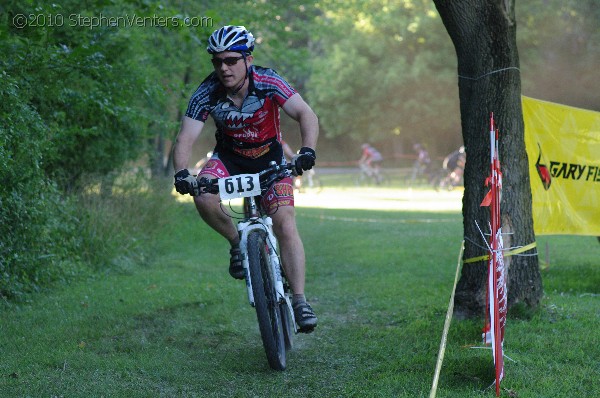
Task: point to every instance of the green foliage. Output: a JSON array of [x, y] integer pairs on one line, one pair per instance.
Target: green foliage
[[118, 230], [559, 47], [47, 235], [75, 101], [36, 231], [385, 71], [81, 83], [382, 70]]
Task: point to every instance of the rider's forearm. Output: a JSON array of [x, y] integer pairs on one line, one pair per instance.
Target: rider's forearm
[[309, 128], [182, 149], [181, 155], [298, 109]]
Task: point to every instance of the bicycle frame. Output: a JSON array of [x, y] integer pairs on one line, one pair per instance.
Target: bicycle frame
[[253, 220], [260, 259]]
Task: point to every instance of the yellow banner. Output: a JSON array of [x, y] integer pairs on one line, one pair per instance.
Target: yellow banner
[[563, 146]]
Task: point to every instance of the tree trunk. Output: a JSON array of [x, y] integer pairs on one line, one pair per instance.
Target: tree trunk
[[484, 37]]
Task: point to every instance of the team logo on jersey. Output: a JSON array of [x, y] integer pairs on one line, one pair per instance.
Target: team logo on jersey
[[283, 189], [215, 168], [211, 164], [237, 119], [252, 153]]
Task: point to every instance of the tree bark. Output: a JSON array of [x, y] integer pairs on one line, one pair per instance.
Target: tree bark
[[484, 36]]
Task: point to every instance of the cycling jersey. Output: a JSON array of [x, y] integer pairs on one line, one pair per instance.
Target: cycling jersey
[[253, 130], [371, 154]]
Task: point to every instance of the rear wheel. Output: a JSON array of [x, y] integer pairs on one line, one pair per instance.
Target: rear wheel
[[268, 310]]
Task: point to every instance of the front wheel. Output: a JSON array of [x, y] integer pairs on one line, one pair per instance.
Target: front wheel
[[268, 308], [288, 324]]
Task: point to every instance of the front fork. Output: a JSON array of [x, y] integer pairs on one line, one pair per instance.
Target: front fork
[[264, 224]]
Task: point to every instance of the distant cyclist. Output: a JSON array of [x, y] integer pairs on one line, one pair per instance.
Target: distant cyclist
[[370, 162], [454, 165], [244, 101], [422, 165]]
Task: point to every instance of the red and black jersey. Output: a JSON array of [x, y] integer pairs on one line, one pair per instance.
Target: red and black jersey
[[252, 130]]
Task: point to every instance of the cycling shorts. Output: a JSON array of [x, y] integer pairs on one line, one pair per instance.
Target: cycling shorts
[[279, 194]]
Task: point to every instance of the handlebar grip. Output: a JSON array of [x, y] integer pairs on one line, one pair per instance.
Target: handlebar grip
[[205, 185]]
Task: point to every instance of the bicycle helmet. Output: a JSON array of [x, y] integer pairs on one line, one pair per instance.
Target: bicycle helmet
[[230, 38]]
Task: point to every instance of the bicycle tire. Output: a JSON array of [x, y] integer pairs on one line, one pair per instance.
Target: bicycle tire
[[266, 304], [288, 326]]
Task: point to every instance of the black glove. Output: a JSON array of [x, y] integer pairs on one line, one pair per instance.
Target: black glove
[[186, 183], [304, 160]]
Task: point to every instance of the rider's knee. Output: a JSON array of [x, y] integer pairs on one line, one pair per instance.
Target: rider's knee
[[206, 202], [285, 226]]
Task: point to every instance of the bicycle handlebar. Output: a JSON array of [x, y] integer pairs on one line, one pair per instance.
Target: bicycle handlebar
[[272, 173]]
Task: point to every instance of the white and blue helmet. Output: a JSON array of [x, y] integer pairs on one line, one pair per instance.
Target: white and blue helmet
[[230, 38]]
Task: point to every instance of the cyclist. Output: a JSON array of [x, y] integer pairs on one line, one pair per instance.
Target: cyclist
[[370, 162], [422, 164], [244, 101], [454, 164]]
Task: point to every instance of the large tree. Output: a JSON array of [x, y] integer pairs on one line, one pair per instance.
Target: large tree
[[484, 37]]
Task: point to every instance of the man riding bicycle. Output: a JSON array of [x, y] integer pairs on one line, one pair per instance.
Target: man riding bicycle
[[454, 164], [244, 101], [370, 162]]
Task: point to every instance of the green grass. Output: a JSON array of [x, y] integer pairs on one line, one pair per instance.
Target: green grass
[[179, 326]]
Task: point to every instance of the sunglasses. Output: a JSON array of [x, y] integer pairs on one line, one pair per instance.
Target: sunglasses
[[229, 61]]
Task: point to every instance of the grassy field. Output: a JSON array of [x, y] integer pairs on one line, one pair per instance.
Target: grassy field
[[379, 280]]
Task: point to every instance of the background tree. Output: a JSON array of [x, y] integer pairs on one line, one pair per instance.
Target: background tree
[[381, 75], [484, 36], [562, 43]]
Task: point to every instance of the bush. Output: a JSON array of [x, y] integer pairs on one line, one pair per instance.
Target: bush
[[50, 239], [32, 216], [120, 220], [67, 108]]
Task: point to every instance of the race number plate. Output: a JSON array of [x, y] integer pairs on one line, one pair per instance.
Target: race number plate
[[242, 185]]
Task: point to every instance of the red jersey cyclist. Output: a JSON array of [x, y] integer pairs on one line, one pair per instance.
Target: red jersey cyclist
[[244, 101], [370, 162]]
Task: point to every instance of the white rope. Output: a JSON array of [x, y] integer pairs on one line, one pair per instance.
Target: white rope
[[489, 73]]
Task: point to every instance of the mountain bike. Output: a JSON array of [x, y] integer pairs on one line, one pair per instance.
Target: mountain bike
[[370, 175], [268, 290]]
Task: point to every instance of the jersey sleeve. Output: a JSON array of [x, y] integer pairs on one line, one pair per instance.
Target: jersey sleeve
[[199, 106], [277, 88]]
